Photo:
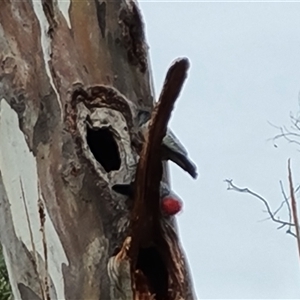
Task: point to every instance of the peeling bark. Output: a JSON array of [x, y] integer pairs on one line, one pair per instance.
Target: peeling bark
[[73, 76]]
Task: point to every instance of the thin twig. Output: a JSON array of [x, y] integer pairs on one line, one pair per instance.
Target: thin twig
[[291, 233], [279, 208], [233, 187], [286, 200], [288, 134]]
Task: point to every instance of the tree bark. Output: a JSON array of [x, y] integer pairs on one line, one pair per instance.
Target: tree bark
[[73, 75]]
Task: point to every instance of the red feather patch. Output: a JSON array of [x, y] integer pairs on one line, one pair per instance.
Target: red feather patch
[[171, 206]]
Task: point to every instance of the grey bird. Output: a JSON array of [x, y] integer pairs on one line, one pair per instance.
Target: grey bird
[[172, 149], [170, 202]]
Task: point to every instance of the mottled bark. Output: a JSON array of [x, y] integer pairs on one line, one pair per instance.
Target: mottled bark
[[73, 75]]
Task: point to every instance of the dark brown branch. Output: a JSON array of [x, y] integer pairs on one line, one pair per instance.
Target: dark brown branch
[[294, 206], [145, 214], [146, 230]]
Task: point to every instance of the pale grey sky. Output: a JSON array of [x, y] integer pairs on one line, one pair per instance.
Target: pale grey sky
[[245, 71]]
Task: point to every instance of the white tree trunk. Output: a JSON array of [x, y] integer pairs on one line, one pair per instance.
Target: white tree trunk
[[68, 68]]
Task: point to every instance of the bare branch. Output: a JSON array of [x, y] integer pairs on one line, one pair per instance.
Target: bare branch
[[291, 233], [296, 122], [232, 186], [279, 208], [286, 134], [286, 201], [292, 134], [281, 226]]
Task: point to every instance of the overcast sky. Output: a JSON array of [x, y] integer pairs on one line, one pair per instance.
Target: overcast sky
[[245, 72]]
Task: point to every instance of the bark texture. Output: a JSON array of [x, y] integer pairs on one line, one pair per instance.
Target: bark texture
[[73, 76]]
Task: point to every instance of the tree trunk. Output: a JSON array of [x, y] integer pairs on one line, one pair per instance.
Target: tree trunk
[[67, 132]]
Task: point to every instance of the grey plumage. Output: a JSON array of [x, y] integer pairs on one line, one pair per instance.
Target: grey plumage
[[170, 202], [165, 191], [172, 149], [126, 189]]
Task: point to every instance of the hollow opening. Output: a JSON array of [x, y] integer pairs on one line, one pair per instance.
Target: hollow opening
[[104, 148], [153, 268]]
